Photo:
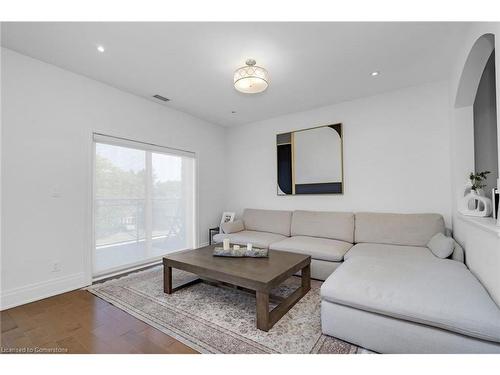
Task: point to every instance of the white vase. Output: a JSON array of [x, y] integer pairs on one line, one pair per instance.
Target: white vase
[[474, 203]]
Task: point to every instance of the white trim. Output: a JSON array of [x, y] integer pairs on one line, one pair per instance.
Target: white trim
[[138, 145], [34, 292], [136, 266], [196, 203], [130, 266], [487, 224], [124, 271], [88, 257]]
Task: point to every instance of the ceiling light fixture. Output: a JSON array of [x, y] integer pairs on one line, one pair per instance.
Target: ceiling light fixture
[[100, 48], [251, 79], [374, 74]]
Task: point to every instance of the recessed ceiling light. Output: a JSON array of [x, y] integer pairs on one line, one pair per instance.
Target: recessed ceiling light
[[100, 48], [375, 73]]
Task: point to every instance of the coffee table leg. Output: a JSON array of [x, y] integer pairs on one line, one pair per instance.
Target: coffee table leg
[[262, 310], [306, 278], [167, 279]]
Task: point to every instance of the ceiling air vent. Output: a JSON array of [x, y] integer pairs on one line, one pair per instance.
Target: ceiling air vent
[[162, 98]]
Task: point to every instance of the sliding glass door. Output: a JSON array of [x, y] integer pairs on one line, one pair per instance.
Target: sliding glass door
[[143, 203]]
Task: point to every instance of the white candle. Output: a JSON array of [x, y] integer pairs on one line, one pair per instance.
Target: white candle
[[225, 243], [236, 247], [249, 246]]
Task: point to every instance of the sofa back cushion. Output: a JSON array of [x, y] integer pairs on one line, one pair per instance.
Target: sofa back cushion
[[334, 225], [268, 221], [397, 229]]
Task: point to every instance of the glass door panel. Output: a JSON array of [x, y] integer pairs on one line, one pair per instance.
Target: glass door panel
[[172, 208], [120, 197], [143, 206]]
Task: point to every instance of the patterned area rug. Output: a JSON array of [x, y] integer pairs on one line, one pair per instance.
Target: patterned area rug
[[214, 319]]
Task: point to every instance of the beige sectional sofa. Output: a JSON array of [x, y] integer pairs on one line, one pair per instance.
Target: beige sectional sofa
[[393, 295], [260, 227], [326, 236], [389, 292], [329, 237]]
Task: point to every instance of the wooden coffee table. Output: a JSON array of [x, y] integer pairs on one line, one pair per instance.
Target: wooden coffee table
[[259, 275]]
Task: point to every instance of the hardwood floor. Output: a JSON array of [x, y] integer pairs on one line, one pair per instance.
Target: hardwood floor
[[79, 322]]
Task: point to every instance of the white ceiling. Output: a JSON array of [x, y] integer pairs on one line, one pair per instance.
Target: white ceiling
[[310, 64]]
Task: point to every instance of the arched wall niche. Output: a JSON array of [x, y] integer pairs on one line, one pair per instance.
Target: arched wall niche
[[463, 160], [473, 70], [480, 237]]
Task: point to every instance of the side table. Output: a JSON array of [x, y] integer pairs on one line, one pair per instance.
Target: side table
[[214, 231]]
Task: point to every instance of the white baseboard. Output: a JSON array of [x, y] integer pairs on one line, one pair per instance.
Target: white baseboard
[[37, 291], [34, 292]]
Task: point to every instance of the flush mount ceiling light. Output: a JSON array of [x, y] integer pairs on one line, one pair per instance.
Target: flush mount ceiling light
[[375, 73], [100, 48], [251, 79]]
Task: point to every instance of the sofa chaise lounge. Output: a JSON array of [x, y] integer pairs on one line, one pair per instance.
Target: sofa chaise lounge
[[393, 295], [389, 293]]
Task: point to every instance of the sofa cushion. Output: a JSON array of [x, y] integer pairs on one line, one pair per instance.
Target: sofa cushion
[[317, 248], [232, 226], [440, 293], [257, 239], [378, 250], [268, 221], [334, 225], [397, 229], [441, 246]]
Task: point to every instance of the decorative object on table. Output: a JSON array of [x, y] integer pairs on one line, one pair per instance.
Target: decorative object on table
[[249, 246], [474, 203], [236, 247], [211, 233], [241, 252], [226, 244], [310, 161], [227, 217]]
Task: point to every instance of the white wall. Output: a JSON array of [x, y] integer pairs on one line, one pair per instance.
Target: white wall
[[396, 155], [479, 237], [48, 116], [397, 158]]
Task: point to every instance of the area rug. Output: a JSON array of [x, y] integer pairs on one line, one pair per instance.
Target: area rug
[[215, 319]]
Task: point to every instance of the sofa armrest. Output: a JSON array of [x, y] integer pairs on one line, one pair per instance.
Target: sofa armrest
[[458, 253], [232, 226]]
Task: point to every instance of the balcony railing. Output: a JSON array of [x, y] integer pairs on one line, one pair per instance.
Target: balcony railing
[[123, 220]]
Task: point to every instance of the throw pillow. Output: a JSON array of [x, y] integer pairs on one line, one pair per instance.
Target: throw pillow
[[233, 226], [441, 246]]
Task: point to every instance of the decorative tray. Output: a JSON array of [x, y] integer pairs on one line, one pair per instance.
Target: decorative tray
[[241, 252]]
